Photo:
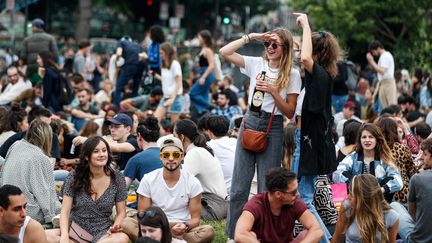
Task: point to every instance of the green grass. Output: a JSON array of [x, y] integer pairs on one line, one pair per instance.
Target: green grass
[[219, 228]]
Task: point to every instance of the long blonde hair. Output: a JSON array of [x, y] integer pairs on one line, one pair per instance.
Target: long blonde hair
[[368, 208], [286, 60]]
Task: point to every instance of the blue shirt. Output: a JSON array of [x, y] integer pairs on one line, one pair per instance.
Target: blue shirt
[[130, 52], [143, 163], [228, 112]]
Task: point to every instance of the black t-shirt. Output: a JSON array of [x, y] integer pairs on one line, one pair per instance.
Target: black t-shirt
[[339, 86], [122, 158], [55, 149]]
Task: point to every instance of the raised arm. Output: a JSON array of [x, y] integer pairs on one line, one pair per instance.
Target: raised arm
[[306, 48]]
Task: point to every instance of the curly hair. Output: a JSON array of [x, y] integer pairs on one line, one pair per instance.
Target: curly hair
[[327, 51]]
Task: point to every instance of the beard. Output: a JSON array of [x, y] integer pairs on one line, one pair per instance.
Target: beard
[[172, 168]]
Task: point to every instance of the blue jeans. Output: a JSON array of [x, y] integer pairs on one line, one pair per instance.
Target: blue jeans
[[177, 106], [60, 175], [306, 186], [199, 94], [245, 162], [406, 223], [338, 101], [129, 71], [79, 122]]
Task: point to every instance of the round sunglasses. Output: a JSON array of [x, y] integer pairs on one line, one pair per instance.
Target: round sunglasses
[[274, 45]]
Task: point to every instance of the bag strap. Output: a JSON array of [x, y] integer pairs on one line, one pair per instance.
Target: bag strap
[[270, 122]]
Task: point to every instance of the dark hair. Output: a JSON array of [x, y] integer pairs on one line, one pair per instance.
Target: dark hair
[[207, 38], [6, 191], [327, 50], [15, 116], [76, 78], [350, 131], [156, 91], [202, 122], [288, 145], [156, 218], [48, 59], [389, 129], [146, 239], [218, 125], [189, 129], [149, 129], [83, 44], [375, 45], [82, 176], [391, 109], [226, 93], [37, 111], [382, 150], [426, 145], [88, 91], [156, 34], [3, 113], [277, 179], [423, 130]]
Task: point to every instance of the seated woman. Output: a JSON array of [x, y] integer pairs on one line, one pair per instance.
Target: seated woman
[[153, 223], [350, 131], [89, 194], [366, 216], [372, 156]]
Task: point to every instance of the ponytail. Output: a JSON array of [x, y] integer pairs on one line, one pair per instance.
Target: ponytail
[[189, 129]]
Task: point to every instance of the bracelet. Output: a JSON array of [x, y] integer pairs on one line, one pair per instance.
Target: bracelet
[[249, 39], [246, 39]]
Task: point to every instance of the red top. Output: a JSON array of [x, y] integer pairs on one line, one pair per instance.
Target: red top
[[269, 227]]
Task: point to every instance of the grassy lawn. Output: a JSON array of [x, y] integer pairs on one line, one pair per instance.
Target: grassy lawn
[[219, 227]]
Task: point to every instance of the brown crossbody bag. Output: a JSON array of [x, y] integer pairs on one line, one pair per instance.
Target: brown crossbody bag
[[256, 141]]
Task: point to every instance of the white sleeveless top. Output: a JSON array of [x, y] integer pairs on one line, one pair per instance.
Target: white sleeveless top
[[23, 229]]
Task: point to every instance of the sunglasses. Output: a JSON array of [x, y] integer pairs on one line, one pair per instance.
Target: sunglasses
[[273, 45], [293, 193], [175, 154], [149, 213]]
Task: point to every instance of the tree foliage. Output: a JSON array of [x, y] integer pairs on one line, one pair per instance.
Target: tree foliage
[[401, 25]]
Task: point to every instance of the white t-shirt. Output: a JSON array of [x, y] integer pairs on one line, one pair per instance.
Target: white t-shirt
[[300, 98], [207, 169], [224, 149], [386, 61], [173, 201], [253, 68], [168, 79]]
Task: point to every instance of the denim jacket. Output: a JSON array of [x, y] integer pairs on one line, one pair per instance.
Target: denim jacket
[[353, 164]]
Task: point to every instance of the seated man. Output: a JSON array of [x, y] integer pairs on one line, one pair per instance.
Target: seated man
[[13, 219], [148, 159], [224, 108], [414, 222], [85, 110], [144, 104], [14, 88], [176, 192], [270, 216]]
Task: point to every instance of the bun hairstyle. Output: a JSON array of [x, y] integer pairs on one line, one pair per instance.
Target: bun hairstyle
[[326, 49], [149, 129]]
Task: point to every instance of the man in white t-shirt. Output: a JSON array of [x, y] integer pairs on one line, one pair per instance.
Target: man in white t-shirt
[[223, 146], [387, 92], [176, 192]]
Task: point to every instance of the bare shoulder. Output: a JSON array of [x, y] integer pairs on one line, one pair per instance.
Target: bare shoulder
[[34, 232]]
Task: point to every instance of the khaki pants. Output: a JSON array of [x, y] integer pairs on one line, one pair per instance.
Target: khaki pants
[[387, 92], [199, 234]]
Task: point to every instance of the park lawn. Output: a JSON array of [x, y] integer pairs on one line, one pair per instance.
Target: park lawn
[[219, 228]]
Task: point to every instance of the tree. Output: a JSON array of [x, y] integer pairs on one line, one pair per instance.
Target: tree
[[399, 24]]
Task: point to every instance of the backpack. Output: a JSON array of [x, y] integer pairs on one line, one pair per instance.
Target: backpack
[[217, 68], [65, 90], [352, 76]]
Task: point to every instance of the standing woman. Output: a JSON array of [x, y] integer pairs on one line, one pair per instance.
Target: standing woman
[[319, 54], [199, 93], [172, 85], [281, 85], [366, 216], [89, 194], [50, 81]]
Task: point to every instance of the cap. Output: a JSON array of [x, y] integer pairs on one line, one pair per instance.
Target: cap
[[170, 141], [350, 105], [121, 119], [38, 23]]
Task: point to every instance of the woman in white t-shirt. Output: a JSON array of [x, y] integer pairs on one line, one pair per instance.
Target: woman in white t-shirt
[[172, 85], [281, 85]]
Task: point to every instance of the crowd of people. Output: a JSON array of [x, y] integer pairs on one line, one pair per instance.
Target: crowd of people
[[141, 146]]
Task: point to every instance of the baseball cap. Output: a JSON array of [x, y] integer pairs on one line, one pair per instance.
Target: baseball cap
[[38, 23], [121, 119], [350, 105], [170, 141]]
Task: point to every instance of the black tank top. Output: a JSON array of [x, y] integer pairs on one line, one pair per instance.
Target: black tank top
[[203, 61]]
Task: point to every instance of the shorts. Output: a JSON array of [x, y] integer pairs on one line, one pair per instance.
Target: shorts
[[177, 106]]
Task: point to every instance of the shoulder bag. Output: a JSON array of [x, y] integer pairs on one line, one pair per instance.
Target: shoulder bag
[[256, 141]]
